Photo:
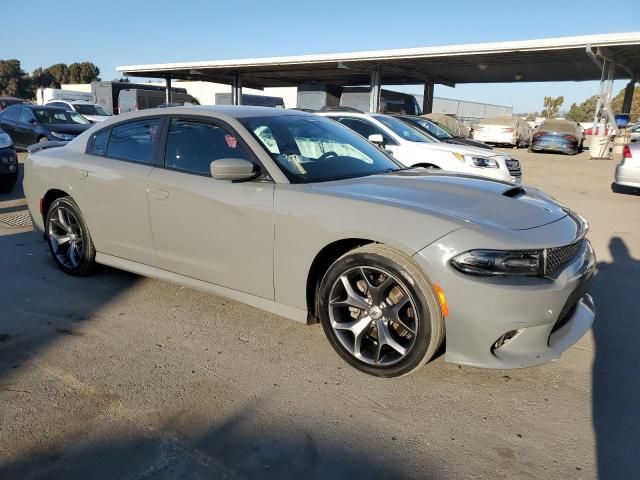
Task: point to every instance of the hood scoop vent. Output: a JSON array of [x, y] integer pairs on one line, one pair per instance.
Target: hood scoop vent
[[515, 192]]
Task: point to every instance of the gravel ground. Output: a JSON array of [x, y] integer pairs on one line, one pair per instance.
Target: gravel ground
[[119, 376]]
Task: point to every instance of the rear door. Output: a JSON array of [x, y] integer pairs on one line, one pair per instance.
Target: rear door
[[212, 230], [111, 188]]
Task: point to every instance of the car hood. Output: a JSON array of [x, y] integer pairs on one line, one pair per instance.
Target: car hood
[[71, 129], [466, 198], [455, 148]]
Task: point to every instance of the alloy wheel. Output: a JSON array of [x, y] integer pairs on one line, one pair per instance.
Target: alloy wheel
[[65, 237], [373, 315]]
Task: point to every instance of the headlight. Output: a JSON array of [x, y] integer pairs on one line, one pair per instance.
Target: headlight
[[481, 162], [528, 263], [484, 162], [62, 136], [5, 140]]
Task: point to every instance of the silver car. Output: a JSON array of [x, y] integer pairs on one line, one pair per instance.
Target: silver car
[[628, 170], [295, 214]]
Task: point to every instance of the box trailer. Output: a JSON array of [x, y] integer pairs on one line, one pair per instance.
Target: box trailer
[[107, 93], [44, 95]]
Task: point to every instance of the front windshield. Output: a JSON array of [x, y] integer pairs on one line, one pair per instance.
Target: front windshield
[[85, 109], [60, 117], [316, 149], [433, 128], [403, 130]]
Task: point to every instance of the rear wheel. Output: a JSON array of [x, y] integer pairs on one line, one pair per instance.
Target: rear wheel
[[380, 312], [69, 239]]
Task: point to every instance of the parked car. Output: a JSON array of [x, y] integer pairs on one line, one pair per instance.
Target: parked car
[[559, 136], [8, 101], [440, 132], [453, 124], [627, 176], [29, 124], [416, 149], [295, 214], [512, 131], [8, 164], [137, 99], [91, 111], [634, 132]]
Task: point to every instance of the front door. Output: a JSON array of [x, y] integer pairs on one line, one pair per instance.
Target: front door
[[212, 230]]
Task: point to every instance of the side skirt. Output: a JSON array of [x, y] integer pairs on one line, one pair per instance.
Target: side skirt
[[270, 306]]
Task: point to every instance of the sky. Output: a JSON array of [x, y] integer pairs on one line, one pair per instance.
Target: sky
[[117, 32]]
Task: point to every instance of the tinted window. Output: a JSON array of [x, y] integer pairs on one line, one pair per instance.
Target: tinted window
[[134, 141], [11, 113], [403, 130], [366, 129], [192, 146], [25, 115], [99, 143], [57, 116]]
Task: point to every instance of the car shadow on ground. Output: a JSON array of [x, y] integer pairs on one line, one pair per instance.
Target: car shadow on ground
[[616, 368], [36, 307], [246, 445]]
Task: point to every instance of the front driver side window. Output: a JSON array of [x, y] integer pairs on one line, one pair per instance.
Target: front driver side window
[[366, 129], [193, 145], [26, 115]]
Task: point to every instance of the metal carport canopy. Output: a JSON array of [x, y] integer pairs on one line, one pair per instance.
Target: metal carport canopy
[[543, 60]]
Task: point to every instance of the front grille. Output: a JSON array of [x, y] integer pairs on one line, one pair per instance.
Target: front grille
[[557, 257], [513, 166]]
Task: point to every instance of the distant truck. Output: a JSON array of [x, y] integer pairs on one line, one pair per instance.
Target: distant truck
[[254, 100], [390, 101], [134, 99], [45, 95], [107, 93]]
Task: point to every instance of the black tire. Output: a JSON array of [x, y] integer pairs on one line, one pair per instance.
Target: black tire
[[7, 183], [82, 260], [428, 324]]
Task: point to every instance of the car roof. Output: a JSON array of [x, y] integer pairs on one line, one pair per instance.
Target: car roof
[[44, 107]]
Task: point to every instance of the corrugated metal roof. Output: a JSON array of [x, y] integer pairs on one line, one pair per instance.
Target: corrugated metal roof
[[548, 59]]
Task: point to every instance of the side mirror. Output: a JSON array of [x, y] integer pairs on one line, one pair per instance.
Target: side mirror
[[234, 169], [376, 138]]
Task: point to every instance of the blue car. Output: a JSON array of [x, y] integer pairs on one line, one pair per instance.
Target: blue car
[[8, 164], [557, 136], [29, 124]]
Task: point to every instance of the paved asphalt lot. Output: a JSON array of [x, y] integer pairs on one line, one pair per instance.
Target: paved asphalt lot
[[118, 376]]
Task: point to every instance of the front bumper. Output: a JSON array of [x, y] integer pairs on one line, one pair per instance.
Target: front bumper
[[8, 162], [541, 317]]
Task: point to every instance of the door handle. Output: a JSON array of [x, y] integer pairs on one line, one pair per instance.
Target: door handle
[[83, 174], [159, 194]]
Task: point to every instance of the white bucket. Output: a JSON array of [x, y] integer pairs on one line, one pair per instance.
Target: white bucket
[[599, 147]]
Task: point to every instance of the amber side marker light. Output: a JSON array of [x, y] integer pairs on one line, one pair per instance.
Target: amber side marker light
[[442, 299]]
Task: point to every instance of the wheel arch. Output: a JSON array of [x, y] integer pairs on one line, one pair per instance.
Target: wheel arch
[[51, 196], [321, 263]]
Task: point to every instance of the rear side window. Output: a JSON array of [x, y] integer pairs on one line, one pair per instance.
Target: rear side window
[[135, 141], [98, 144], [11, 113], [192, 146]]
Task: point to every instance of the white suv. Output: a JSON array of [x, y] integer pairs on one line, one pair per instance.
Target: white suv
[[413, 148], [93, 112]]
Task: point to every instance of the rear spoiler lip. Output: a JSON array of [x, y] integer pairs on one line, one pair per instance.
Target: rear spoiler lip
[[36, 147]]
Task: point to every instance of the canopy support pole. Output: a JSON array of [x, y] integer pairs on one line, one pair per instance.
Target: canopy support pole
[[167, 96], [427, 99], [374, 97], [628, 96], [236, 90]]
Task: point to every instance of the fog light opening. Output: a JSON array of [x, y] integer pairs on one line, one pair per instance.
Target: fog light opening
[[504, 340]]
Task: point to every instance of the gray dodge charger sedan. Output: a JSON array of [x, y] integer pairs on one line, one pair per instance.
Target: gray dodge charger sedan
[[297, 215]]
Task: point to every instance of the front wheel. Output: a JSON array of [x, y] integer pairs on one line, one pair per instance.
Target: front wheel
[[380, 312], [69, 240]]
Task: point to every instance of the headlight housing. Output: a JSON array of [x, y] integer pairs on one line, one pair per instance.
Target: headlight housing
[[475, 161], [488, 263], [63, 136], [5, 140]]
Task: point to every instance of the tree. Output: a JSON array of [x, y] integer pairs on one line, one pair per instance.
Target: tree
[[552, 106], [583, 112], [85, 72], [616, 103], [13, 80]]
